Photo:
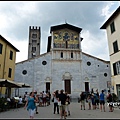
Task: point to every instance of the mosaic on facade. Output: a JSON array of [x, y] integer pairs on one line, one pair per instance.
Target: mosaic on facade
[[66, 39]]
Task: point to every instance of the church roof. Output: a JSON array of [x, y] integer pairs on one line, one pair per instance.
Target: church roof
[[111, 18], [34, 58], [95, 57], [62, 26], [50, 52]]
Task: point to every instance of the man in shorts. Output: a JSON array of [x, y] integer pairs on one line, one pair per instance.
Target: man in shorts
[[102, 100], [62, 98], [82, 97]]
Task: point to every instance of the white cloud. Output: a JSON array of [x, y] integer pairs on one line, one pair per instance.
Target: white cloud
[[16, 17], [22, 46], [95, 46], [106, 11]]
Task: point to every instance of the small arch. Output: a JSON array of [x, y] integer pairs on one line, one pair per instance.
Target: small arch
[[67, 75]]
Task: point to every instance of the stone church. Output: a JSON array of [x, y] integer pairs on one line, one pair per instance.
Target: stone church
[[63, 66]]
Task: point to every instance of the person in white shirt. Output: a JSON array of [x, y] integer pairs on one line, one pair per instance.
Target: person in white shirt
[[44, 98], [8, 99], [20, 100]]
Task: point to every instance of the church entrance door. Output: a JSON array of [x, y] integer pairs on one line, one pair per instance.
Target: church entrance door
[[68, 86], [47, 86], [86, 86]]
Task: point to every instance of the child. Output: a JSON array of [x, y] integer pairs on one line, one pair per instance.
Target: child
[[89, 102]]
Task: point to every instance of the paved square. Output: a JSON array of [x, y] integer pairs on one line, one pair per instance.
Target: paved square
[[76, 112]]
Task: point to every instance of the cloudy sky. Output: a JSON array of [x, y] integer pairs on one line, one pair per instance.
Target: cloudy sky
[[16, 17]]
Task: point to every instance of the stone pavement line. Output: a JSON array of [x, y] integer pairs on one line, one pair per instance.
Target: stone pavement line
[[76, 113]]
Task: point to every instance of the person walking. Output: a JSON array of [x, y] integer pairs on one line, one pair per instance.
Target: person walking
[[37, 103], [49, 96], [67, 104], [102, 100], [62, 99], [97, 99], [26, 95], [110, 100], [44, 98], [30, 104], [55, 97], [82, 97], [93, 101], [40, 99], [89, 101]]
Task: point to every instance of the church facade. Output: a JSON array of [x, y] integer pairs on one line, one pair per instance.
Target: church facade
[[64, 66]]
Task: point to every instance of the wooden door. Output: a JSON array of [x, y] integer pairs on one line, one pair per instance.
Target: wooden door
[[68, 86], [86, 86]]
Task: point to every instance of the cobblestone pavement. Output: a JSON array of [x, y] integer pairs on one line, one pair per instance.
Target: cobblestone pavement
[[76, 113]]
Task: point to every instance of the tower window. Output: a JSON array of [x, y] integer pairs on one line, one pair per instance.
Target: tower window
[[34, 35], [71, 55], [33, 54], [33, 49], [61, 54], [34, 41]]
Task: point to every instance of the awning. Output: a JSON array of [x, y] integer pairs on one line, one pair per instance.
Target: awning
[[24, 85], [9, 83]]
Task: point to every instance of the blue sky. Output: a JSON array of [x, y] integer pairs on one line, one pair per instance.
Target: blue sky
[[16, 17]]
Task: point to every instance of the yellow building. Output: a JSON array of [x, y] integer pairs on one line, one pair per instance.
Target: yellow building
[[7, 61], [112, 26]]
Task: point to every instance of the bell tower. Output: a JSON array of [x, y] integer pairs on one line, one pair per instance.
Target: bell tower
[[34, 42]]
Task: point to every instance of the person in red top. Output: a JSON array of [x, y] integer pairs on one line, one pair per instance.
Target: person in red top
[[109, 100]]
